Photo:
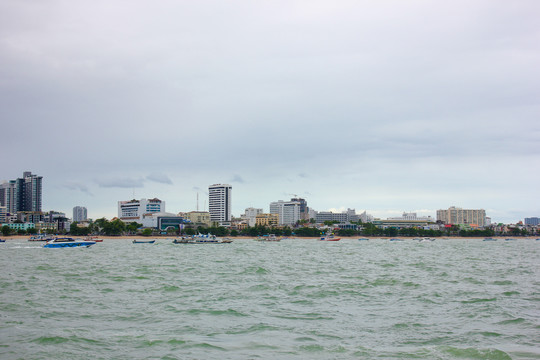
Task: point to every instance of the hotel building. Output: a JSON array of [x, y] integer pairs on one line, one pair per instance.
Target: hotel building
[[288, 211], [459, 216], [219, 202]]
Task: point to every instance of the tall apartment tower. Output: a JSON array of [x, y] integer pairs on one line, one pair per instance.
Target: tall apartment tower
[[29, 192], [8, 196], [80, 214], [219, 202]]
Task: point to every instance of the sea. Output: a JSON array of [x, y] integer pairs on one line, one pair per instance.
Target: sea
[[293, 299]]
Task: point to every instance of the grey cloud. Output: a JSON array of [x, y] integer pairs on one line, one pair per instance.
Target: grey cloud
[[237, 179], [120, 183], [78, 187], [159, 178]]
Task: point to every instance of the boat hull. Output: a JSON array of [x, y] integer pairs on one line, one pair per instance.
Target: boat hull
[[69, 244]]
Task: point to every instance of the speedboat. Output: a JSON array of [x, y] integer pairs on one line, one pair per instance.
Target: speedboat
[[489, 239], [329, 237], [62, 242], [396, 239]]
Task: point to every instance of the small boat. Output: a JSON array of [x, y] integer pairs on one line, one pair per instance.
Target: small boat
[[271, 237], [509, 239], [93, 238], [144, 241], [396, 239], [41, 237], [2, 240], [329, 237], [363, 239], [426, 240], [62, 242], [489, 239]]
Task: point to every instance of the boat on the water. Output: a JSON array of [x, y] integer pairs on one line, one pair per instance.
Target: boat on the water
[[489, 239], [62, 242], [2, 240], [396, 239], [329, 237], [201, 239], [509, 239], [144, 241], [363, 239], [93, 238], [427, 239], [41, 237], [270, 237]]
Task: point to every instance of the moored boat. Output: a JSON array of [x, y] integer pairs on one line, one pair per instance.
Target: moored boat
[[270, 237], [62, 242], [489, 239], [144, 241], [201, 239], [363, 239], [41, 237]]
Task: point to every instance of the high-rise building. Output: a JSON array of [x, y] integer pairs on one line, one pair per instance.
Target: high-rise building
[[8, 196], [288, 211], [80, 214], [304, 210], [219, 202], [459, 216], [532, 221], [133, 210], [28, 196]]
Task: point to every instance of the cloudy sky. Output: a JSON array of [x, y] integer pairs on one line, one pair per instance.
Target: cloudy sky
[[385, 106]]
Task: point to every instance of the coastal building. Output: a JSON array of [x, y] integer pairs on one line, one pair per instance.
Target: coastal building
[[80, 213], [3, 214], [29, 192], [413, 216], [458, 216], [288, 211], [344, 216], [532, 221], [197, 218], [162, 221], [269, 220], [250, 215], [219, 202], [8, 196], [133, 210], [304, 209]]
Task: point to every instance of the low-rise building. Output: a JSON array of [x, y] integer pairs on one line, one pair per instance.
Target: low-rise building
[[269, 220], [134, 210]]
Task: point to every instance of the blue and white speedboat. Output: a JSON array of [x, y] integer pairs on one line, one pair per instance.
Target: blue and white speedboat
[[63, 242]]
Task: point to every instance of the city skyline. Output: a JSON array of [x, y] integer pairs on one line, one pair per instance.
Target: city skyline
[[384, 107]]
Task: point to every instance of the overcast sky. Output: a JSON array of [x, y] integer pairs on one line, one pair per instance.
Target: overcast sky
[[384, 106]]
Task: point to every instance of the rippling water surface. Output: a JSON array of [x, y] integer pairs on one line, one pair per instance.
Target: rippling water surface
[[294, 299]]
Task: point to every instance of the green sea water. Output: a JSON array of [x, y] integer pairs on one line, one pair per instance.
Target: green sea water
[[294, 299]]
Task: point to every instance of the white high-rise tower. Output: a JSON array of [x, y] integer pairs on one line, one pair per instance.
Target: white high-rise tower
[[219, 202]]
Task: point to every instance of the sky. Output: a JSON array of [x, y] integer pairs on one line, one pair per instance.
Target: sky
[[381, 106]]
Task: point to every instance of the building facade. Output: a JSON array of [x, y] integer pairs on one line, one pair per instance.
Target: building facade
[[269, 220], [133, 210], [532, 221], [459, 216], [219, 202], [250, 215], [288, 211], [29, 192], [80, 214], [8, 196]]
